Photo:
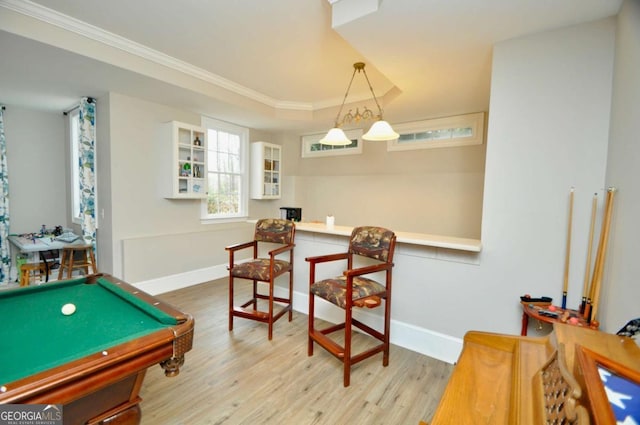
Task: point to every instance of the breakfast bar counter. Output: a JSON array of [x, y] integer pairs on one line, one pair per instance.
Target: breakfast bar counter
[[437, 241]]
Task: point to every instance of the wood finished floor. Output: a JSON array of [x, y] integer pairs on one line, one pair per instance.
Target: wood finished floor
[[241, 377]]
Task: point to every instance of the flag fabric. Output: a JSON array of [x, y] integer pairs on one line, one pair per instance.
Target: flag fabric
[[623, 395]]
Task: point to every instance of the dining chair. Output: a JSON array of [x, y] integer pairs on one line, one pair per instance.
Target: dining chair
[[51, 260]]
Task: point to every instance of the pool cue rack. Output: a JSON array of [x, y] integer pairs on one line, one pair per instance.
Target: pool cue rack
[[586, 314]]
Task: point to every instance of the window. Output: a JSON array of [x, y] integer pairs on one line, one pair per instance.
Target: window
[[227, 157], [460, 130], [311, 146], [74, 149]]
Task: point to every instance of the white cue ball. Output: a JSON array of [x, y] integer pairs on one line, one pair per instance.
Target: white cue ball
[[68, 309]]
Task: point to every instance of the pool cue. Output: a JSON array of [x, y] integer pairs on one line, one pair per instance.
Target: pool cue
[[585, 288], [565, 285], [596, 266], [598, 263], [605, 239]]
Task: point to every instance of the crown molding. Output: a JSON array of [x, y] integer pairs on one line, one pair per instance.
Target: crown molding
[[68, 23]]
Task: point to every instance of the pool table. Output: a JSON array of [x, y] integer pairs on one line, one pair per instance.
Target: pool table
[[93, 361]]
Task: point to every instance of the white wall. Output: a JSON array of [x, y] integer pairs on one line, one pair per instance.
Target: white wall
[[36, 157], [153, 238], [621, 290], [157, 231], [434, 191], [104, 240], [548, 132]]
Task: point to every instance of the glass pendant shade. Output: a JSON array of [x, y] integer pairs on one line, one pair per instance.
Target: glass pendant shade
[[335, 137], [380, 131]]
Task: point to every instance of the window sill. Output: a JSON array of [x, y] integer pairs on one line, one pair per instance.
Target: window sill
[[223, 220]]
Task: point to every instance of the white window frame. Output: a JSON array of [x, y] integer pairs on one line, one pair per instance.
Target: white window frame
[[243, 132], [474, 121], [74, 170], [313, 139]]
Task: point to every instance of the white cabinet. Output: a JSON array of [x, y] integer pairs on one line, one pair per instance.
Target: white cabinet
[[185, 164], [266, 170]]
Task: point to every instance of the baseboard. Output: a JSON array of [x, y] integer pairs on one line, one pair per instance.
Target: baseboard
[[182, 280], [424, 341]]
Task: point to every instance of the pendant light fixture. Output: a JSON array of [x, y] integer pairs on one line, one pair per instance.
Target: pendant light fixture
[[379, 131]]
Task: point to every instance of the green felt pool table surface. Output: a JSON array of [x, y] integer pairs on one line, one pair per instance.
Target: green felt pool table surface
[[38, 336]]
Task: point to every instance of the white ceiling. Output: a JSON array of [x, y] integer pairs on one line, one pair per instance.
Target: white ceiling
[[277, 64]]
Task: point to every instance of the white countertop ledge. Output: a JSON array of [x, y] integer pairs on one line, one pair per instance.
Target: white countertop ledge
[[438, 241]]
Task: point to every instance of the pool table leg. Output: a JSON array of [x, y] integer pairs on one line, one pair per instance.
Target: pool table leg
[[172, 366]]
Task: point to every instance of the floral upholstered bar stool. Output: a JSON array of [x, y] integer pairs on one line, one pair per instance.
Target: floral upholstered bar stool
[[353, 289], [279, 235]]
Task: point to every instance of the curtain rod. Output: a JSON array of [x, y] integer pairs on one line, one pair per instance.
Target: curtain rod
[[69, 110], [89, 99]]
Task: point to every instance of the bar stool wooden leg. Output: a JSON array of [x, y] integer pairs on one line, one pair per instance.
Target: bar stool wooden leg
[[24, 275], [70, 260], [72, 256], [92, 260], [27, 270], [63, 263]]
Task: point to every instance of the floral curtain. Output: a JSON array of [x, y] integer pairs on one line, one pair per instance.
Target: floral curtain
[[5, 256], [87, 170]]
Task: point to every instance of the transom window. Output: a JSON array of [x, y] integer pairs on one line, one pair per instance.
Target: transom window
[[311, 146], [460, 130]]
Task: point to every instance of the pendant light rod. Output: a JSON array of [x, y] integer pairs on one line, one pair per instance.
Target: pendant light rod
[[370, 87], [356, 67]]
